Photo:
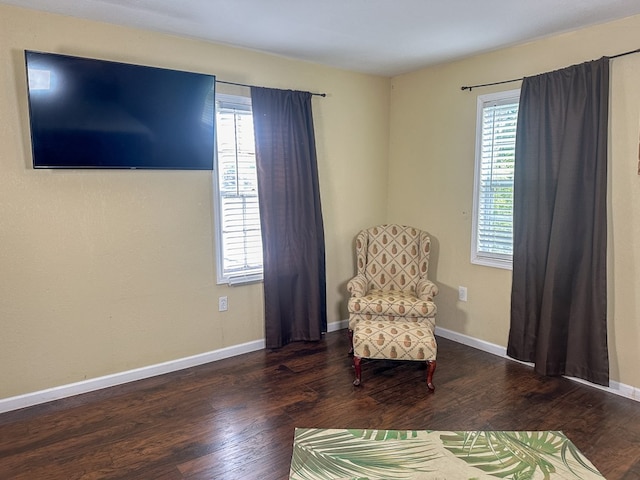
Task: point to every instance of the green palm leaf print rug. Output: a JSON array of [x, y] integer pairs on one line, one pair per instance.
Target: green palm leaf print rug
[[331, 454]]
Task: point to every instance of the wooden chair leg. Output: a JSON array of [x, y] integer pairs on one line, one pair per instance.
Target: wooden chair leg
[[431, 367], [350, 333], [358, 368]]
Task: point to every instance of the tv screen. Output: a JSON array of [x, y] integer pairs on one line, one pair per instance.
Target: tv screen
[[87, 113]]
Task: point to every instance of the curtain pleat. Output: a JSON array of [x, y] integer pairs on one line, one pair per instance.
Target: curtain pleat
[[290, 217], [558, 298]]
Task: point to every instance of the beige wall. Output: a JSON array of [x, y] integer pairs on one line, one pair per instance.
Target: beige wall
[[431, 179], [107, 271]]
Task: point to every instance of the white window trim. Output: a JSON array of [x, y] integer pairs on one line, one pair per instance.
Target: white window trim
[[496, 260], [233, 279]]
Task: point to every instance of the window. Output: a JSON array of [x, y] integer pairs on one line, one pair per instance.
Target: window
[[492, 241], [239, 245]]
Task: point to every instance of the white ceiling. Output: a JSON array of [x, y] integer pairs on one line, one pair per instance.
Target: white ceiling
[[384, 37]]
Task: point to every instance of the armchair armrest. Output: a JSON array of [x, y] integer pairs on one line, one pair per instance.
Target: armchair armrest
[[426, 289], [357, 286]]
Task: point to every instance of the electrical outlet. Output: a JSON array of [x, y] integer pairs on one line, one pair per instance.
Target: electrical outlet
[[222, 304], [462, 294]]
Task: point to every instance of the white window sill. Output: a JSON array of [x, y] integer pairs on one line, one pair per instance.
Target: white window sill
[[506, 264], [239, 280]]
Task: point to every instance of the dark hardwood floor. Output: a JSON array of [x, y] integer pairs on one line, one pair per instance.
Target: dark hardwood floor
[[234, 419]]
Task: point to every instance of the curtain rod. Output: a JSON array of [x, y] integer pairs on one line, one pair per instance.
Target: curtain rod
[[245, 85], [471, 87]]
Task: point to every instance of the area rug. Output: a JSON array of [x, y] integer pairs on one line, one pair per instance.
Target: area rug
[[331, 454]]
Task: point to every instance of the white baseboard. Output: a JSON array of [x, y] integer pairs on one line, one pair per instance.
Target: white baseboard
[[339, 325], [64, 391], [617, 388]]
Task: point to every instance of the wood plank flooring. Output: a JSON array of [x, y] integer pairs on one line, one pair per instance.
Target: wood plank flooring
[[234, 419]]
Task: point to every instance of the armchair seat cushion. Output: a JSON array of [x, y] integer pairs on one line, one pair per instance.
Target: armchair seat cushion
[[391, 303]]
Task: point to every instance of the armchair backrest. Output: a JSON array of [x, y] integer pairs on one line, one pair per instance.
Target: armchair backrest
[[393, 257]]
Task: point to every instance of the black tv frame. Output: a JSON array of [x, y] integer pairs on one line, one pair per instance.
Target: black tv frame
[[100, 114]]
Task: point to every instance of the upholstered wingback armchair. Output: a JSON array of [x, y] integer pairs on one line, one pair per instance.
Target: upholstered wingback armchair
[[391, 281]]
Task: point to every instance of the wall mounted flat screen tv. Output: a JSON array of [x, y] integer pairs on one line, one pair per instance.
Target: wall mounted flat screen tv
[[87, 113]]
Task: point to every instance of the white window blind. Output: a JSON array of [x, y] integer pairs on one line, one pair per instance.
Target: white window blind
[[492, 242], [238, 225]]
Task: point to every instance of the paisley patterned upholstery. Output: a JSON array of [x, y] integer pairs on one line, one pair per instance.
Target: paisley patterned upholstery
[[391, 281], [392, 304], [393, 340], [393, 257]]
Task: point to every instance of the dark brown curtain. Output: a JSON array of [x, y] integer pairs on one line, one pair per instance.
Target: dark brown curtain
[[558, 299], [290, 217]]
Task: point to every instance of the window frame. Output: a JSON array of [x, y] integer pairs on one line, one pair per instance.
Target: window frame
[[478, 257], [248, 275]]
